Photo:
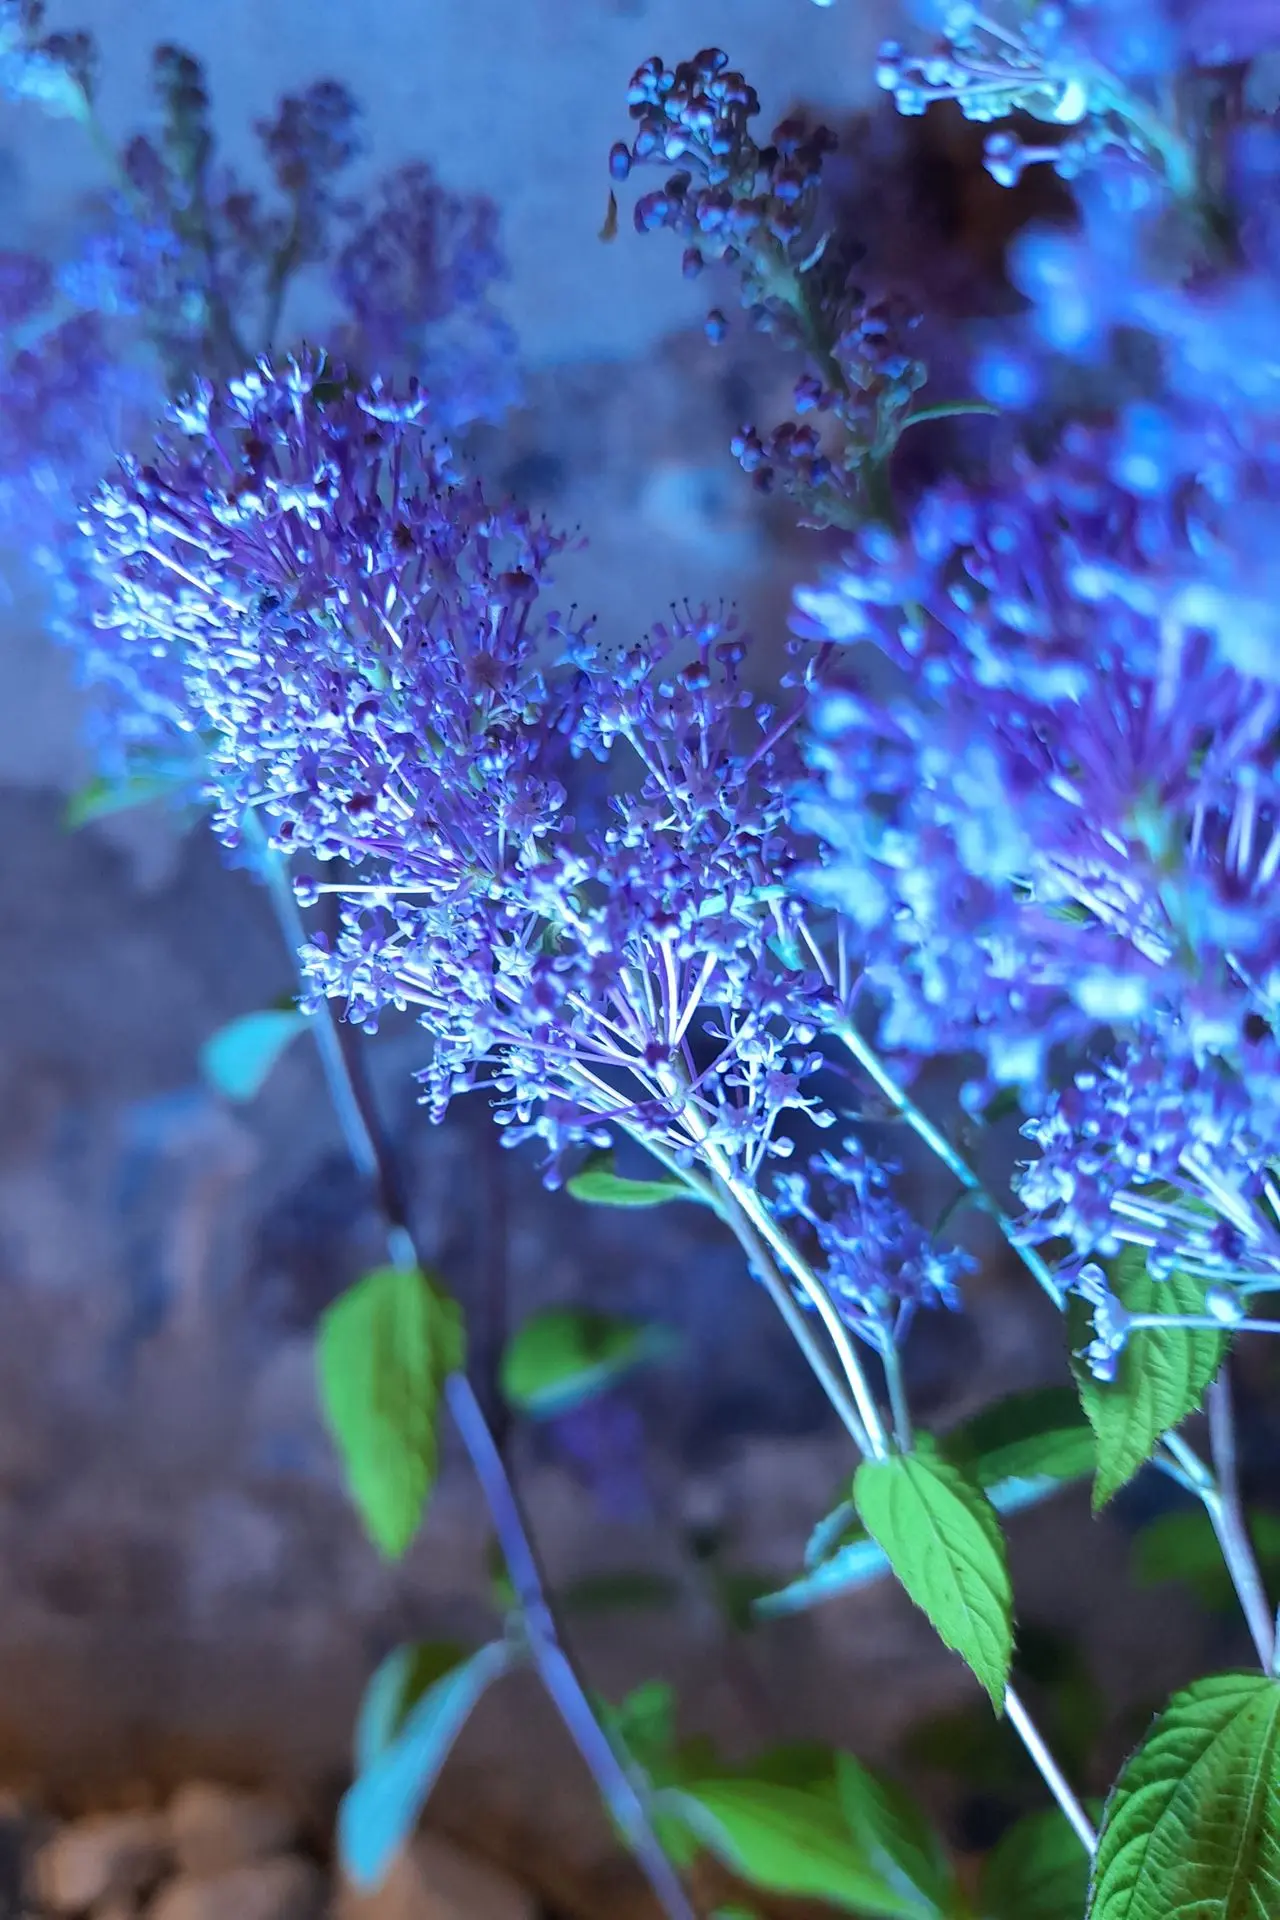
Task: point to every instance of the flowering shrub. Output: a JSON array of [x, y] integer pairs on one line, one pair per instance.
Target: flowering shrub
[[632, 900]]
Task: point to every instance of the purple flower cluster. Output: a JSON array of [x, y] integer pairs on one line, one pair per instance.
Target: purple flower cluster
[[575, 866], [1167, 1154], [362, 636], [759, 210], [1066, 817], [1049, 812], [878, 1265]]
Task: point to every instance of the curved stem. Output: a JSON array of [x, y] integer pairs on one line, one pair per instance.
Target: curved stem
[[555, 1668], [933, 1137]]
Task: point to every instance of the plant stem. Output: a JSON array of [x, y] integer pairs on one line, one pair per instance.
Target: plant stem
[[1227, 1514], [1050, 1772], [555, 1668], [620, 1792], [933, 1137]]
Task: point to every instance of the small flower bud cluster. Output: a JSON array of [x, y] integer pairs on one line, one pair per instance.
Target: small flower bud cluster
[[756, 209]]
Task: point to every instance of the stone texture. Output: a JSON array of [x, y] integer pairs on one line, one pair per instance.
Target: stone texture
[[283, 1889], [213, 1828], [435, 1880], [102, 1857]]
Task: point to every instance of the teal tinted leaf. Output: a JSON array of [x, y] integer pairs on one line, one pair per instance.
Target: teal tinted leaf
[[830, 1533], [99, 798], [787, 1840], [386, 1348], [895, 1837], [618, 1592], [855, 1562], [1183, 1546], [567, 1355], [600, 1185], [1038, 1871], [1192, 1828], [380, 1810], [1040, 1435], [1162, 1375], [943, 1540], [404, 1676], [856, 1559], [237, 1059]]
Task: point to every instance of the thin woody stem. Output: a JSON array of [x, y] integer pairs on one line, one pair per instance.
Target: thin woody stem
[[556, 1669], [1227, 1514]]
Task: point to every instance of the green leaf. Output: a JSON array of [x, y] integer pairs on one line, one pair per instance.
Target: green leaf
[[1162, 1375], [238, 1058], [601, 1186], [404, 1676], [385, 1350], [98, 798], [894, 1835], [643, 1724], [856, 1559], [802, 1763], [787, 1840], [1037, 1871], [1192, 1828], [943, 1540], [569, 1354], [1040, 1435], [1183, 1546], [380, 1810]]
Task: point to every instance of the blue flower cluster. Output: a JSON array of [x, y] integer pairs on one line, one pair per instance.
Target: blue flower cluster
[[1052, 811]]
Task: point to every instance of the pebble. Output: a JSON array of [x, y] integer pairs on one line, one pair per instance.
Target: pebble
[[214, 1828], [105, 1856], [286, 1888], [435, 1880]]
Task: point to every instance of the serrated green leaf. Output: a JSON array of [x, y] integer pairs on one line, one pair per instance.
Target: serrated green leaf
[[1037, 1871], [789, 1841], [943, 1540], [238, 1058], [1192, 1828], [403, 1677], [1162, 1377], [567, 1355], [600, 1185], [385, 1349], [895, 1837], [381, 1808], [1183, 1546], [1043, 1434]]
